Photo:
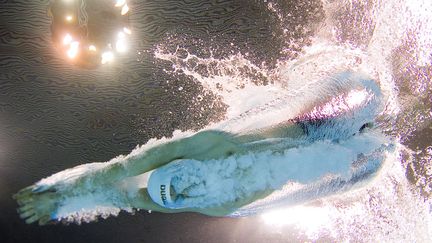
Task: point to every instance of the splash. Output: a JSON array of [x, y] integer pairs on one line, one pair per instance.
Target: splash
[[387, 210], [375, 38], [389, 207], [204, 184]]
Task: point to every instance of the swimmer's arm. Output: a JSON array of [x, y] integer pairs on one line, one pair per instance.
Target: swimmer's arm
[[204, 145]]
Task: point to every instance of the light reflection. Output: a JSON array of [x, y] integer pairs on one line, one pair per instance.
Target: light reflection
[[127, 31], [340, 104], [67, 39], [125, 9], [81, 42], [120, 3], [107, 57], [356, 98], [305, 217], [121, 46], [121, 35], [73, 49], [121, 42], [92, 48]]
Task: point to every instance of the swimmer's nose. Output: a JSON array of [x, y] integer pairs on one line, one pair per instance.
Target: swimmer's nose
[[173, 193]]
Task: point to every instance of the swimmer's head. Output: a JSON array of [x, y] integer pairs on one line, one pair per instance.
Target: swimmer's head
[[160, 188], [175, 184]]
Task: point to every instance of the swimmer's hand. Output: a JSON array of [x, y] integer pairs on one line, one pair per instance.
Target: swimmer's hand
[[40, 202], [37, 205]]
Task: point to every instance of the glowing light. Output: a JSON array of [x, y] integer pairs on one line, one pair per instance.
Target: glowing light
[[310, 218], [127, 31], [67, 39], [120, 3], [121, 35], [340, 104], [92, 48], [356, 97], [125, 9], [73, 49], [107, 57], [121, 42], [121, 45], [69, 18]]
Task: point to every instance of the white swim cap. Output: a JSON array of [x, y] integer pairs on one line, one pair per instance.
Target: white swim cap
[[159, 186]]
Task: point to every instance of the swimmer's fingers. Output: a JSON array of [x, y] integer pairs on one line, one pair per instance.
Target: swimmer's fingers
[[25, 201], [32, 219], [27, 214], [23, 192], [24, 209], [37, 207], [44, 220]]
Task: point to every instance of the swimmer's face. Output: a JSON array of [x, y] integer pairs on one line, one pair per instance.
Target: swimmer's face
[[173, 193], [176, 196]]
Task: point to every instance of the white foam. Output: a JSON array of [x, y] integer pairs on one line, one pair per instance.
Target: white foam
[[215, 182], [388, 209]]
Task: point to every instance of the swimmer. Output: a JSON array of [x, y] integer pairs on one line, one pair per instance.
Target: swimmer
[[41, 201]]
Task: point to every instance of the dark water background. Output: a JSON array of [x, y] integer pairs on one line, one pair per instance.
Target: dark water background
[[54, 115]]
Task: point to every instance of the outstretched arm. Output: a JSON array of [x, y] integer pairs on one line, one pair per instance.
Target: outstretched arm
[[203, 145]]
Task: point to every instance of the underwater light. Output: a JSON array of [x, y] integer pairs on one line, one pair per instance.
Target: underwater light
[[84, 44], [92, 48], [125, 9], [73, 49], [306, 217], [107, 57], [120, 3], [127, 31], [67, 39], [121, 46], [69, 18]]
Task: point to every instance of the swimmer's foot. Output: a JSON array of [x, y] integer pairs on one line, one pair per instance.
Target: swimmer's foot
[[36, 205]]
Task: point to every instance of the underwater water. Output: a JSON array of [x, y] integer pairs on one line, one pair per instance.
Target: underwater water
[[228, 65]]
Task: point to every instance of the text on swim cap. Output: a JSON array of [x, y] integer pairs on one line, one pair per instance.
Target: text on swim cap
[[163, 193]]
